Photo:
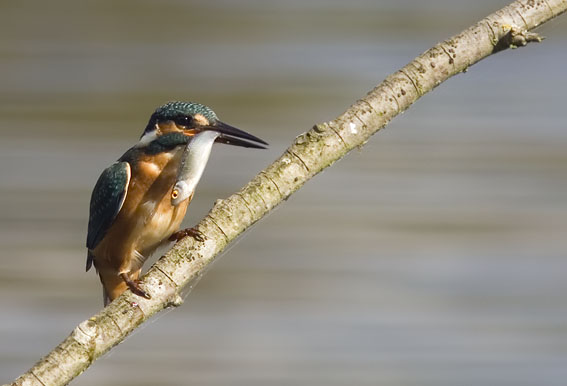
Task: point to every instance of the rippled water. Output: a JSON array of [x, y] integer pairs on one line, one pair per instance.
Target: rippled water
[[433, 256]]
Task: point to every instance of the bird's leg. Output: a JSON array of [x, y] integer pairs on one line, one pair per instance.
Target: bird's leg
[[134, 286], [193, 232]]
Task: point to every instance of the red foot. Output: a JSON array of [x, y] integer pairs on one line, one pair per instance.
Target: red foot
[[134, 286], [197, 235]]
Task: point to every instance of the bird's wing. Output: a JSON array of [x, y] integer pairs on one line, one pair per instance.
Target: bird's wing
[[108, 197]]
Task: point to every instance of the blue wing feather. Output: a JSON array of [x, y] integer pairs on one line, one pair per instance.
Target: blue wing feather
[[107, 198]]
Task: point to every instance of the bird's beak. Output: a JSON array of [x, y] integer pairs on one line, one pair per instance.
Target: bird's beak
[[233, 136]]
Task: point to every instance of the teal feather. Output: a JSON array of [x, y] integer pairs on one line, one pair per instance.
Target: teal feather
[[106, 200]]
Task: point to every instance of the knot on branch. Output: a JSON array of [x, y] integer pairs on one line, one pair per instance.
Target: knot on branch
[[516, 37]]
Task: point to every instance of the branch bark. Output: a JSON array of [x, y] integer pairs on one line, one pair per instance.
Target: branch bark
[[310, 153]]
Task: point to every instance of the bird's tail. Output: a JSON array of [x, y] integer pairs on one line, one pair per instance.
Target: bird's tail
[[105, 297], [90, 259], [112, 285]]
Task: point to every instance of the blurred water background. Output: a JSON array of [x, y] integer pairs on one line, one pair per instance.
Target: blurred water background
[[436, 255]]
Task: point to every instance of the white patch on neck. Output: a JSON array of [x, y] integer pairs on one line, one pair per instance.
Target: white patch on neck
[[148, 138], [195, 158]]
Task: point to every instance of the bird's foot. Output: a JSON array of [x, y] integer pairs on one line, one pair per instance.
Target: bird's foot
[[196, 234], [134, 286]]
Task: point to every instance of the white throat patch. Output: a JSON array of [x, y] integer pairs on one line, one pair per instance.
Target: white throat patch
[[148, 138]]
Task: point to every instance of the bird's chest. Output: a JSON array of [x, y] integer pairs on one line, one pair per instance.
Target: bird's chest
[[148, 204]]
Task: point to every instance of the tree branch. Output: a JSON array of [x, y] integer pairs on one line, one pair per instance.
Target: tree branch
[[310, 153]]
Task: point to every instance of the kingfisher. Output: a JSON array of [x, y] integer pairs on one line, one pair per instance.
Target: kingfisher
[[132, 207]]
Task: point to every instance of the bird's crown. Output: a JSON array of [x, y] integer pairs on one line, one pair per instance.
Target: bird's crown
[[170, 110]]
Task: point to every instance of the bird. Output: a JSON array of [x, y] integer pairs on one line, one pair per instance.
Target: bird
[[131, 211]]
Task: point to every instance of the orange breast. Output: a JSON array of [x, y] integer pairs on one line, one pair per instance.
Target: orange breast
[[147, 217]]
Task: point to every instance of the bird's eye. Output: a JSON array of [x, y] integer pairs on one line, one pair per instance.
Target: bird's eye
[[183, 120]]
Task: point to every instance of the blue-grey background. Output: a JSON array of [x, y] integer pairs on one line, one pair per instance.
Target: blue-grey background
[[436, 255]]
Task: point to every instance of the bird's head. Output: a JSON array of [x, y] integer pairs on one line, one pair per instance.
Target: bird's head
[[189, 119]]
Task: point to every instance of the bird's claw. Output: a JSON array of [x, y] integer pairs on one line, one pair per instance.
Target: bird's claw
[[134, 286], [196, 234]]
